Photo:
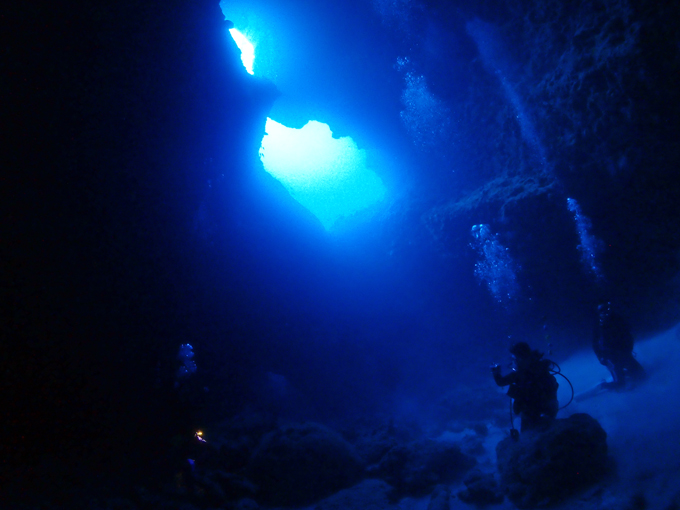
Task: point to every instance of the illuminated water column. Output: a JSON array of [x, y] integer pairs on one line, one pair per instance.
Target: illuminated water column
[[326, 175], [246, 47]]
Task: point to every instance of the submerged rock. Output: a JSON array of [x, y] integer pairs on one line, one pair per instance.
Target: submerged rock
[[367, 495], [440, 498], [296, 465], [546, 467], [372, 443], [481, 489], [414, 469]]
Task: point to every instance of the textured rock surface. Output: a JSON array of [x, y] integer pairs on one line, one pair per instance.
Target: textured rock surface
[[367, 495], [481, 489], [299, 464], [417, 467], [548, 467]]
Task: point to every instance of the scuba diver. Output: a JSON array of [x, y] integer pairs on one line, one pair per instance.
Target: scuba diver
[[613, 345], [533, 387]]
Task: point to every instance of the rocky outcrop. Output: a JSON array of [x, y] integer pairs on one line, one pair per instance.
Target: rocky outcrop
[[550, 466], [481, 489], [367, 495], [414, 469], [440, 498], [296, 465]]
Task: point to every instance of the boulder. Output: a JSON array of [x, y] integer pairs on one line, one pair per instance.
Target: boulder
[[373, 442], [236, 439], [297, 465], [550, 466], [440, 499], [247, 504], [481, 489], [367, 495], [414, 469]]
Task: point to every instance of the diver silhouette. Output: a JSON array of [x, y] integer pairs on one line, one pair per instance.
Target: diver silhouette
[[613, 345], [533, 387]]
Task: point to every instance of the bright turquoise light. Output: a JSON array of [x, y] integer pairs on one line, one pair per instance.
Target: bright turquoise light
[[326, 175], [246, 47]]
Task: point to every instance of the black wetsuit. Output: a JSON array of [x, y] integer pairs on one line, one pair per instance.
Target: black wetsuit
[[534, 391], [613, 345]]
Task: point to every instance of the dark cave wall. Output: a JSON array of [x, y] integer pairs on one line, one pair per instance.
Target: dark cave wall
[[121, 114], [596, 80], [114, 113]]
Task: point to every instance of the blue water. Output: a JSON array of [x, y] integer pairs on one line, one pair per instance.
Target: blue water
[[329, 212], [429, 129]]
